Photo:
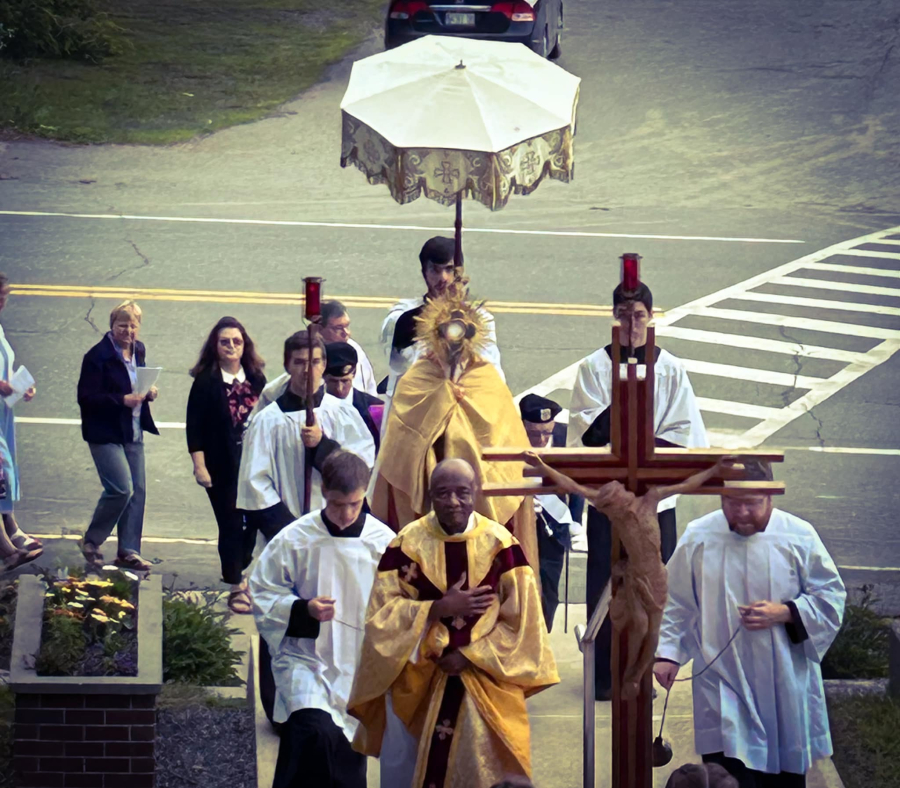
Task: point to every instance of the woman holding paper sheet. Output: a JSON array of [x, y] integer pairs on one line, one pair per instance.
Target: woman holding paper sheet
[[114, 416], [16, 547]]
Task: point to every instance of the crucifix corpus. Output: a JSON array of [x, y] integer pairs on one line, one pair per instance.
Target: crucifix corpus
[[626, 481], [312, 305]]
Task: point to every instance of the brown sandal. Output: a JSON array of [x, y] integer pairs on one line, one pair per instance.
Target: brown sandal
[[239, 602], [133, 561], [20, 558], [91, 552], [25, 542]]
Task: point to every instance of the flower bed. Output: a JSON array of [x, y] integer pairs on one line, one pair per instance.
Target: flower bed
[[89, 625], [100, 728]]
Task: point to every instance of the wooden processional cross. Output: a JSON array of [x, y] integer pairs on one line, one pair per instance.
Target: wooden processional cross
[[633, 460]]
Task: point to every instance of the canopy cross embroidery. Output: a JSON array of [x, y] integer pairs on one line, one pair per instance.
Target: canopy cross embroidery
[[634, 460]]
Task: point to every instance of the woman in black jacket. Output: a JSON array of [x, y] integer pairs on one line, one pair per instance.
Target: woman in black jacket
[[228, 378], [114, 418]]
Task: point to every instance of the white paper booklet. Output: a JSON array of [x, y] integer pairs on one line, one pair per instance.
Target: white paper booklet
[[146, 378], [21, 382]]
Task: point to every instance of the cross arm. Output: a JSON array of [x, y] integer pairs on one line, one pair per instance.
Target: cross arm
[[537, 487]]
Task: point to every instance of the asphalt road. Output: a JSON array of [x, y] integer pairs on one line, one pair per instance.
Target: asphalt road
[[719, 140]]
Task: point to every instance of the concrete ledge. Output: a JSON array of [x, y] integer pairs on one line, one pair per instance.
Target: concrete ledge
[[244, 693], [23, 677], [894, 659], [845, 688]]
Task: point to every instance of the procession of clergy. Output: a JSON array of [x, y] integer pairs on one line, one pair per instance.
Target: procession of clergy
[[406, 615]]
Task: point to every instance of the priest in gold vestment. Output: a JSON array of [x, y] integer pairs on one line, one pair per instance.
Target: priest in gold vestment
[[455, 642], [450, 404]]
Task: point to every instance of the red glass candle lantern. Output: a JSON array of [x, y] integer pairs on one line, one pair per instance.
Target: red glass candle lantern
[[631, 278], [312, 298]]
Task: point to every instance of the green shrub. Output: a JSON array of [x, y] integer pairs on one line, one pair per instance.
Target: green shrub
[[860, 650], [197, 644], [74, 29], [9, 592], [866, 745], [63, 643]]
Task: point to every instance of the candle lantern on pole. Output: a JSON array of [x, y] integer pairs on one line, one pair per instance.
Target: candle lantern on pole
[[312, 303]]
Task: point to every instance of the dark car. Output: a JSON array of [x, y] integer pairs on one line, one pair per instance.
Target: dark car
[[535, 23]]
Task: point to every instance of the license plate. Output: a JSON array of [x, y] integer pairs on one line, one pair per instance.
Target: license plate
[[459, 19]]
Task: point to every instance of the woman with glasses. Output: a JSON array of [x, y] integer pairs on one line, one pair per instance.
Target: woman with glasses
[[228, 378]]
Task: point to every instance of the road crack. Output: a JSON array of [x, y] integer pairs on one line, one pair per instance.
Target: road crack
[[88, 319], [145, 261], [797, 358]]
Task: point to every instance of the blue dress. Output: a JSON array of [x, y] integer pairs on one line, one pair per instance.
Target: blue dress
[[8, 431]]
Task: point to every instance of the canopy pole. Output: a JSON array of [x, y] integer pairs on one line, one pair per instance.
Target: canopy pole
[[457, 254]]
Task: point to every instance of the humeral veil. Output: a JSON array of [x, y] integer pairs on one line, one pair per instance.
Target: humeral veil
[[433, 418]]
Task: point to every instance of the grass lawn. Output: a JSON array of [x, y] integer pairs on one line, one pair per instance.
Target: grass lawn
[[866, 745], [196, 66]]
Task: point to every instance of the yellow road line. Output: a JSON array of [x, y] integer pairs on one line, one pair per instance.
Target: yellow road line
[[287, 299]]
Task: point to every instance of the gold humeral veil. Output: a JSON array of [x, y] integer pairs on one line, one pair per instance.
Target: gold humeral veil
[[432, 418]]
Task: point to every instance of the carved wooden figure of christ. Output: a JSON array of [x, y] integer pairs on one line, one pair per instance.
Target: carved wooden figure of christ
[[626, 474], [639, 582]]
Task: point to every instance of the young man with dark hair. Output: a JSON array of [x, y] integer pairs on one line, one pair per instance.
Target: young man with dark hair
[[398, 333], [340, 382], [310, 589], [278, 443], [677, 422]]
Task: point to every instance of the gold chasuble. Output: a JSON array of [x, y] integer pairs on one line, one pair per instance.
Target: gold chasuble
[[433, 418], [473, 728]]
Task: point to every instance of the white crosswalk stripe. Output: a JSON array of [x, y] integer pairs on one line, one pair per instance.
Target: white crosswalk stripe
[[885, 341], [821, 303]]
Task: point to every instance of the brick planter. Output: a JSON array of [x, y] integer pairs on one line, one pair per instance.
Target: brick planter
[[85, 731]]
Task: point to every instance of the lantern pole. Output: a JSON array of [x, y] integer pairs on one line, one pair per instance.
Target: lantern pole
[[457, 252], [312, 301]]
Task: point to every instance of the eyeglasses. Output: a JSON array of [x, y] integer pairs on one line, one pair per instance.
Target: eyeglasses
[[229, 342]]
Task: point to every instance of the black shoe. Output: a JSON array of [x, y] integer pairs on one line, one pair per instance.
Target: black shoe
[[603, 694]]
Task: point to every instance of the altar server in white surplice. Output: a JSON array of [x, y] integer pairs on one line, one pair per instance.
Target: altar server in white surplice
[[310, 589], [278, 442], [676, 422], [759, 710]]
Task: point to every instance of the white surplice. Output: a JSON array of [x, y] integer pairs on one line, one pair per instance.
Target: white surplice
[[401, 360], [355, 433], [676, 419], [273, 455], [763, 700], [305, 561], [364, 379]]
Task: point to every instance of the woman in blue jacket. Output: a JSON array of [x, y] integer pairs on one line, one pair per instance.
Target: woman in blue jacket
[[113, 420]]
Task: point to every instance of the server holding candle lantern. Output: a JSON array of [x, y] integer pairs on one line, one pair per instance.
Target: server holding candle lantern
[[286, 445], [287, 441], [677, 422]]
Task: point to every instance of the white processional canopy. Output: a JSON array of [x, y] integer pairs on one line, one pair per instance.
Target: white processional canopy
[[456, 116]]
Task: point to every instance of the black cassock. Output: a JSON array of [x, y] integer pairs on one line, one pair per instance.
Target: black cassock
[[553, 541]]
